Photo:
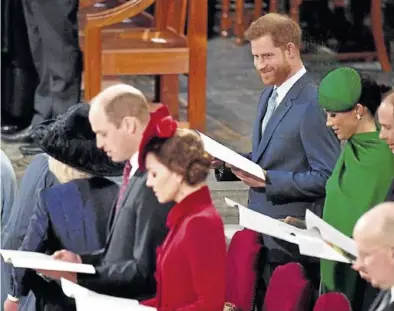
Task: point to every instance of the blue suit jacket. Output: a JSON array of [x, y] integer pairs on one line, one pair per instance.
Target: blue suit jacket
[[36, 177], [70, 216], [298, 152], [8, 187]]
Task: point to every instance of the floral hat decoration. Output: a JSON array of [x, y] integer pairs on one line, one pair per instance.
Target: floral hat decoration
[[160, 125]]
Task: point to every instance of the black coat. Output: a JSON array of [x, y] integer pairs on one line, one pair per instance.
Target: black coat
[[126, 266]]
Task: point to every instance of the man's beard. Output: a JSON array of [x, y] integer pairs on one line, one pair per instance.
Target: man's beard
[[283, 72]]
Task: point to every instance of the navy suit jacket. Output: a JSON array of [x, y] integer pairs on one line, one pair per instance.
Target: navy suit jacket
[[298, 152], [70, 216], [36, 177]]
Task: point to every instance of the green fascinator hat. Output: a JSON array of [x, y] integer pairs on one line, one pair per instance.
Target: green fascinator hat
[[340, 90]]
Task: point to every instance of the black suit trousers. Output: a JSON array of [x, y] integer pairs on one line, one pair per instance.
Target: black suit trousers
[[53, 37]]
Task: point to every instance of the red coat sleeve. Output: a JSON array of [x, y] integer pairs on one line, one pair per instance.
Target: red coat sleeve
[[206, 252], [150, 302]]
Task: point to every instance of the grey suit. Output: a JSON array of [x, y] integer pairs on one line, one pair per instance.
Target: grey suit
[[126, 266], [299, 153]]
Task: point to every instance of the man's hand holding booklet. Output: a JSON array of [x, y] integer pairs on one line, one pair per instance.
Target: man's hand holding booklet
[[319, 239], [249, 179], [246, 170]]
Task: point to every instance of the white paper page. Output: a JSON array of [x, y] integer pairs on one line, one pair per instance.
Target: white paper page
[[100, 304], [86, 299], [267, 225], [32, 260], [73, 290], [330, 234], [227, 155], [315, 247], [309, 241]]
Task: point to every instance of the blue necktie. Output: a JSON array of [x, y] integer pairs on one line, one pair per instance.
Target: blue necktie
[[270, 110]]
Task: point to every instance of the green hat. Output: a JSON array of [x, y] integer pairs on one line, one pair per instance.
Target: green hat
[[340, 90]]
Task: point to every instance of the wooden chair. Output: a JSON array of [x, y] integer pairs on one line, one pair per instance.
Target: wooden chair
[[86, 7], [86, 3], [163, 50], [242, 18], [377, 32]]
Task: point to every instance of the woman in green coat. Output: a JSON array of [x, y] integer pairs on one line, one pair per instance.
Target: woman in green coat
[[362, 175]]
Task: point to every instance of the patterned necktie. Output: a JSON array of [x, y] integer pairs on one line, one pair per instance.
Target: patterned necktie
[[123, 187], [385, 302], [270, 110]]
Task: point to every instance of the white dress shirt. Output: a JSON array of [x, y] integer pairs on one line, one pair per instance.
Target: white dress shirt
[[285, 87], [134, 164]]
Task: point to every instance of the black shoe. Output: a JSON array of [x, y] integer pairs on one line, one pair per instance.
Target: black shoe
[[23, 136], [11, 129], [32, 149]]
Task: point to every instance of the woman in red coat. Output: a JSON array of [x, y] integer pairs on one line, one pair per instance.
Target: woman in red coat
[[190, 264]]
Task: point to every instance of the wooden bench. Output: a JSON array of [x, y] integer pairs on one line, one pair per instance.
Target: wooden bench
[[162, 50]]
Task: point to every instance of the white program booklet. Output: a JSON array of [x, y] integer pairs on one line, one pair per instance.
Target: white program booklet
[[231, 157], [319, 239], [39, 261], [230, 230], [87, 300]]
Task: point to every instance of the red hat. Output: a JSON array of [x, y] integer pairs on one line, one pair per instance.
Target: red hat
[[160, 125]]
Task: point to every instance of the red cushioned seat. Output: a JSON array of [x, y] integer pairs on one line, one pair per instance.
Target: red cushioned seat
[[332, 301], [241, 275], [288, 289]]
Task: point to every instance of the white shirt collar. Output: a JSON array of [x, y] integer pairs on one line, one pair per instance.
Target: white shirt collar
[[392, 295], [285, 87], [134, 164]]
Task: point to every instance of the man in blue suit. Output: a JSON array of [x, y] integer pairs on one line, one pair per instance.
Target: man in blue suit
[[290, 139]]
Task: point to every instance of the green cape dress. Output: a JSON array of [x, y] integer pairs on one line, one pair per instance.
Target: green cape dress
[[360, 180]]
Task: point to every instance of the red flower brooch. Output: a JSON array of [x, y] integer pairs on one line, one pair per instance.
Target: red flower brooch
[[161, 125], [166, 127]]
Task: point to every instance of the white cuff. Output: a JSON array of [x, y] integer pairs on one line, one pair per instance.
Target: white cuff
[[12, 298]]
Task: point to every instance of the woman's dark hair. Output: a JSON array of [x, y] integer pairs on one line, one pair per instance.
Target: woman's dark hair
[[182, 153], [372, 93]]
